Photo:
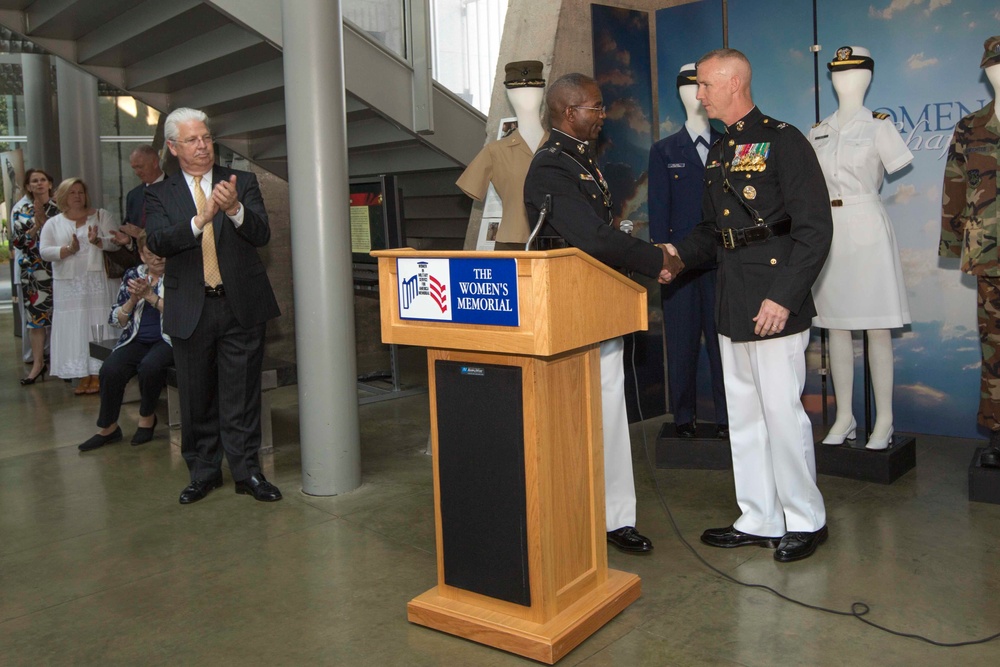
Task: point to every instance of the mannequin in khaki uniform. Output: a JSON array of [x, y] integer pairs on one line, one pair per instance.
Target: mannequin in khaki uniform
[[505, 162]]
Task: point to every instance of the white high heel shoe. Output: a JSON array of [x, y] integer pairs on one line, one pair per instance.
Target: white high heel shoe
[[838, 438], [877, 443]]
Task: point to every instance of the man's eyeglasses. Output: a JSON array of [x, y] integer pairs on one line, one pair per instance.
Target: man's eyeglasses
[[193, 141], [601, 109]]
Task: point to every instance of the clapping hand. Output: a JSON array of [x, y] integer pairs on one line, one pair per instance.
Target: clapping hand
[[120, 238], [138, 288], [224, 195], [74, 245], [92, 236]]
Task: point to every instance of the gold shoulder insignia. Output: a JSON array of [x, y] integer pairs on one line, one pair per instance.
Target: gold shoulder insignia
[[817, 124], [879, 115]]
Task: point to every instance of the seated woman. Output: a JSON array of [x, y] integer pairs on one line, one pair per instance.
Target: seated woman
[[143, 349]]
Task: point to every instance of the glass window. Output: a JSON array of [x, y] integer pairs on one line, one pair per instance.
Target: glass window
[[383, 20], [466, 36]]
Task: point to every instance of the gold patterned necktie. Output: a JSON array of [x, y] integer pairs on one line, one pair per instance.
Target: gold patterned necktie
[[210, 261]]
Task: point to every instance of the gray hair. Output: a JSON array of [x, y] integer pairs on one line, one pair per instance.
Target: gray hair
[[145, 150], [743, 63], [182, 115]]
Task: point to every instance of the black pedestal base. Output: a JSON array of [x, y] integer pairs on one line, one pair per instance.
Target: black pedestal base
[[867, 465], [703, 452], [984, 483]]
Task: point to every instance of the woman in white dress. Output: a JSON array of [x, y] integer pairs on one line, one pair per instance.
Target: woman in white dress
[[75, 242], [861, 286]]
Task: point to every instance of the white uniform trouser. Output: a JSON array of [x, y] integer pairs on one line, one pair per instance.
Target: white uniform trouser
[[619, 486], [773, 459]]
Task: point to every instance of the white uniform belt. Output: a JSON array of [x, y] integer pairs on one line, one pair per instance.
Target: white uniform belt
[[856, 199]]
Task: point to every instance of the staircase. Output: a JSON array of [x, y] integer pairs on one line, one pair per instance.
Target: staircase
[[225, 57]]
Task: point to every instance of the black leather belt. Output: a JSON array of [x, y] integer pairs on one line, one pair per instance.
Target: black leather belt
[[217, 291], [730, 238]]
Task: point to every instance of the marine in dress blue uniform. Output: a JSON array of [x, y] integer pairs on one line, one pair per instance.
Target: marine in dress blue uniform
[[580, 216], [766, 220]]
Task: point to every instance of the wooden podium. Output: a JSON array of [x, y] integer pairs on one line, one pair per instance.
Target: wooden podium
[[518, 453]]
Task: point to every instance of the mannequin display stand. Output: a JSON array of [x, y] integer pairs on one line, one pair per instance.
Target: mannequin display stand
[[853, 460], [705, 451], [984, 483]]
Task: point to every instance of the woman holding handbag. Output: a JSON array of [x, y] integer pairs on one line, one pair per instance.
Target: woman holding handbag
[[75, 242]]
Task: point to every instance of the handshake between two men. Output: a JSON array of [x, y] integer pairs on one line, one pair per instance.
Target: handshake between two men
[[672, 263]]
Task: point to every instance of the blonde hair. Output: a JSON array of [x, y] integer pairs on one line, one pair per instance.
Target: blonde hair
[[62, 193]]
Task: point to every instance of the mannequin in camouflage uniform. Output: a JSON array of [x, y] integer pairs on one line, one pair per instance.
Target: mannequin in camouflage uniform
[[970, 224]]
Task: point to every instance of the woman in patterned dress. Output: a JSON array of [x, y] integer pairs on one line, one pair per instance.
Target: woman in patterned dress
[[36, 274]]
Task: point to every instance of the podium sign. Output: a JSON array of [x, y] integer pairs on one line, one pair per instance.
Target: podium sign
[[464, 290], [515, 401]]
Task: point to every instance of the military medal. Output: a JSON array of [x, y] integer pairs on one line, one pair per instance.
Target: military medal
[[750, 192], [751, 157]]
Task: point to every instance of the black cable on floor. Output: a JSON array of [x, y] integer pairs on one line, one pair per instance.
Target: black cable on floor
[[858, 609]]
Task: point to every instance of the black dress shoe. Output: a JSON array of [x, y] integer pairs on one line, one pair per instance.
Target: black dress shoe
[[796, 546], [99, 440], [729, 537], [255, 485], [990, 458], [629, 540], [199, 488], [722, 431], [685, 430], [143, 434]]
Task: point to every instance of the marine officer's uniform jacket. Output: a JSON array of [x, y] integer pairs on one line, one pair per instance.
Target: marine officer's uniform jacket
[[564, 168], [771, 167]]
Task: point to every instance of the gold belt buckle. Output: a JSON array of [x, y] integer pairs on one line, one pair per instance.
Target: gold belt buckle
[[837, 202], [728, 240]]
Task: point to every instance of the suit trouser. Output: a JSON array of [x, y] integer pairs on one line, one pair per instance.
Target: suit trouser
[[689, 313], [988, 316], [147, 360], [218, 379], [619, 485], [774, 464]]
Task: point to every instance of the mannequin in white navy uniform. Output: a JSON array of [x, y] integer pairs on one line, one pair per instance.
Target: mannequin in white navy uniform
[[505, 162], [861, 286]]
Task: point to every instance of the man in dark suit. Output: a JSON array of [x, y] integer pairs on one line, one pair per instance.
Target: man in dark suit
[[766, 218], [145, 164], [676, 185], [580, 216], [208, 221]]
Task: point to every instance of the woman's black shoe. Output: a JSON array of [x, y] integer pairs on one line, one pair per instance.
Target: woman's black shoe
[[31, 380], [144, 434], [101, 440]]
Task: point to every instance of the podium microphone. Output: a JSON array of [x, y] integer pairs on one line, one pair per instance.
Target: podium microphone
[[626, 226], [546, 207]]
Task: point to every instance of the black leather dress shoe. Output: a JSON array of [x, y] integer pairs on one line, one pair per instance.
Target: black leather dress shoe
[[629, 540], [96, 441], [722, 431], [990, 458], [685, 430], [143, 434], [729, 537], [199, 488], [259, 488], [796, 546]]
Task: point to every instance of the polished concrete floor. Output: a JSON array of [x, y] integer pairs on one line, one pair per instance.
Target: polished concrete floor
[[99, 564]]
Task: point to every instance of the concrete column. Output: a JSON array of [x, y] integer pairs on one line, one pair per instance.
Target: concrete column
[[315, 109], [79, 130], [42, 148]]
